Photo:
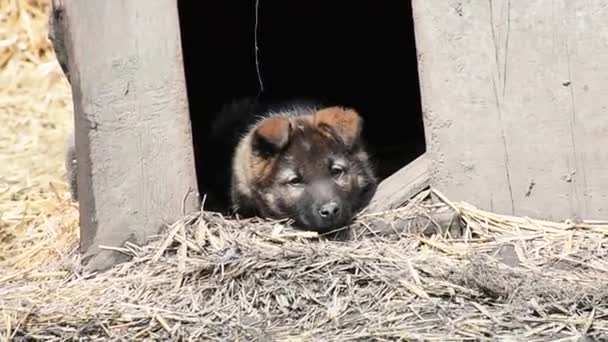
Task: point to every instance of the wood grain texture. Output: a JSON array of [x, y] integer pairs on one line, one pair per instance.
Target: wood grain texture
[[401, 186], [515, 104], [132, 128]]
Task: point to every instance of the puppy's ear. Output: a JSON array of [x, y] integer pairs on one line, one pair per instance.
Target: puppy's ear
[[271, 135], [343, 123]]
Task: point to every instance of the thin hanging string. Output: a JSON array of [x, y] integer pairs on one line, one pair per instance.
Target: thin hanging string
[[257, 60]]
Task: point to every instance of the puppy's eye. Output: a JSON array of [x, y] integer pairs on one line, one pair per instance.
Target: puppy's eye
[[295, 180], [337, 170]]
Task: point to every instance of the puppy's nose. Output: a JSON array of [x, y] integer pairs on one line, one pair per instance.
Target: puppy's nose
[[329, 210]]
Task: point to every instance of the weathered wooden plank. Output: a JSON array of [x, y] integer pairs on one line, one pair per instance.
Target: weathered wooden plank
[[401, 186], [133, 135], [515, 104]]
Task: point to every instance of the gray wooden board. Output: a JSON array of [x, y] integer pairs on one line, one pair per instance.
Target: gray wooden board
[[401, 186], [515, 98], [133, 134]]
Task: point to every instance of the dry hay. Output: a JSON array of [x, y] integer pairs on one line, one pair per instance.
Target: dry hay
[[37, 221], [205, 276]]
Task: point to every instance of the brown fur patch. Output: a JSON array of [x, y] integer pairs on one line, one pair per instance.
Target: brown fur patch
[[275, 131], [345, 123], [262, 168]]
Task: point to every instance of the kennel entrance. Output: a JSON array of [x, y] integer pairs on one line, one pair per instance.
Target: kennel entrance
[[512, 111], [358, 54]]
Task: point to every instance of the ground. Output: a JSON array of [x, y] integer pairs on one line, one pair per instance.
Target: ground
[[505, 278]]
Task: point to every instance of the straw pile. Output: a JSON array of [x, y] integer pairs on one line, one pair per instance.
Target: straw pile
[[207, 277]]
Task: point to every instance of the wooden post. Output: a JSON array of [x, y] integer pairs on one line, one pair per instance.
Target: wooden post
[[132, 128], [515, 106]]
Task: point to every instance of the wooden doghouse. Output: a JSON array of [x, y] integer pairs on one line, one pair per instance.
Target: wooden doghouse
[[512, 98]]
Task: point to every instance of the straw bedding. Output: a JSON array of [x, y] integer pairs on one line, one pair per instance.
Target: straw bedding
[[205, 277], [208, 277]]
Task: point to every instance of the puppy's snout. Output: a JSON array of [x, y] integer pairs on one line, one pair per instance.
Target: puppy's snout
[[329, 211]]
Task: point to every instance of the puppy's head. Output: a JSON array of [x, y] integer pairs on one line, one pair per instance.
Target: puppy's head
[[312, 168]]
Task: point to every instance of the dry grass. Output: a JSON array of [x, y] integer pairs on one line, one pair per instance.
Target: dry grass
[[504, 278], [37, 221], [507, 278]]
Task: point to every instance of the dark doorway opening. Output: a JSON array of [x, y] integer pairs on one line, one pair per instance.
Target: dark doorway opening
[[358, 54]]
